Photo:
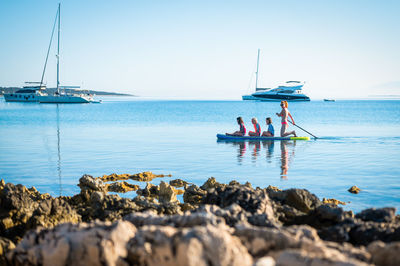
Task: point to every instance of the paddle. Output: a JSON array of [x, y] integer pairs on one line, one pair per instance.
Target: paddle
[[303, 129]]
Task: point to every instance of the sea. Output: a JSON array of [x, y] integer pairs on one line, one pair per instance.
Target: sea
[[50, 146]]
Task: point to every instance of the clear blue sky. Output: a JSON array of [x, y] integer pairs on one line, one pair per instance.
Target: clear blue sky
[[206, 49]]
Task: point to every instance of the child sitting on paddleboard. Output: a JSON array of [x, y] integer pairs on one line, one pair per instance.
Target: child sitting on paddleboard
[[242, 129], [271, 131], [257, 128]]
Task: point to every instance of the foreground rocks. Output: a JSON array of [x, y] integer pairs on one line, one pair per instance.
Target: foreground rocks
[[216, 224]]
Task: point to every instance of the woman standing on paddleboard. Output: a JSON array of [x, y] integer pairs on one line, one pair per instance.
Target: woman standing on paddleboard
[[284, 114]]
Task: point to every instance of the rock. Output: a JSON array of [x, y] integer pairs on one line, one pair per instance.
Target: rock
[[121, 187], [324, 257], [205, 245], [97, 197], [363, 233], [301, 199], [114, 177], [193, 195], [382, 215], [329, 215], [211, 183], [178, 183], [184, 220], [145, 176], [22, 209], [150, 191], [251, 200], [232, 214], [337, 233], [385, 254], [261, 241], [354, 190], [5, 246], [111, 208], [358, 253], [88, 182], [102, 206], [265, 261], [84, 244], [272, 188], [234, 183], [52, 212], [17, 205], [286, 214], [333, 201], [166, 193]]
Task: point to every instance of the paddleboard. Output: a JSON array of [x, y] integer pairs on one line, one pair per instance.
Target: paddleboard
[[226, 137]]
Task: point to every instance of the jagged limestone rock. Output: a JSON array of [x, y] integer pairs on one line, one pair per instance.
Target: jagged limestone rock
[[67, 244], [197, 246]]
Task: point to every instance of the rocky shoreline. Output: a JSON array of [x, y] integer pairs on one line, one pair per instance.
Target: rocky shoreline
[[216, 224]]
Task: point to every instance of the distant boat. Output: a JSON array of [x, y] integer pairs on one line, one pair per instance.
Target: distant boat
[[329, 100], [289, 91], [29, 93], [58, 96]]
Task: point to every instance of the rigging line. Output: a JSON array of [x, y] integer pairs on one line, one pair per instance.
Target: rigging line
[[48, 50], [251, 79]]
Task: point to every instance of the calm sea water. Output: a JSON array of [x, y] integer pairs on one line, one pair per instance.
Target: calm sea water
[[52, 146]]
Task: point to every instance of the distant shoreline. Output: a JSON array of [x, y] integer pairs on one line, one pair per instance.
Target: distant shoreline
[[4, 90]]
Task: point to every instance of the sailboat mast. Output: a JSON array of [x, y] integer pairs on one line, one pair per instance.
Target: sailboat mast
[[258, 60], [58, 50]]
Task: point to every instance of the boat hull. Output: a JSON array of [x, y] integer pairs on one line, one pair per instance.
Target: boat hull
[[64, 99], [15, 97], [238, 138], [275, 99]]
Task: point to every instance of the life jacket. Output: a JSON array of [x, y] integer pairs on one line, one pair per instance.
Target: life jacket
[[243, 129], [257, 129]]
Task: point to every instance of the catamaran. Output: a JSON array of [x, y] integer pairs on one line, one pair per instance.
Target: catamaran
[[289, 91], [35, 91], [61, 96]]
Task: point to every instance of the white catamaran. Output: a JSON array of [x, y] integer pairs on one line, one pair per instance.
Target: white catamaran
[[35, 91], [289, 91], [61, 96]]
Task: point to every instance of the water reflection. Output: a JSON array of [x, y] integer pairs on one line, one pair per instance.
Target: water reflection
[[58, 148], [241, 151], [269, 147], [284, 158], [256, 150]]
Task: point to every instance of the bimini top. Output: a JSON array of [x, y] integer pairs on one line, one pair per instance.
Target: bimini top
[[32, 85]]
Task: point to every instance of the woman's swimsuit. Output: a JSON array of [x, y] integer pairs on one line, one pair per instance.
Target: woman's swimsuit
[[284, 123], [242, 129], [257, 129]]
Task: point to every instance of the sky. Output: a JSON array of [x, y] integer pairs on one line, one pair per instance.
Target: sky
[[206, 49]]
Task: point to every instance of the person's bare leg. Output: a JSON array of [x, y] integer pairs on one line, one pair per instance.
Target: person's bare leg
[[289, 133], [284, 133], [266, 134], [283, 129], [236, 133]]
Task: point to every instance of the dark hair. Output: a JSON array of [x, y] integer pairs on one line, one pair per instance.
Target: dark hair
[[239, 120], [269, 119]]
